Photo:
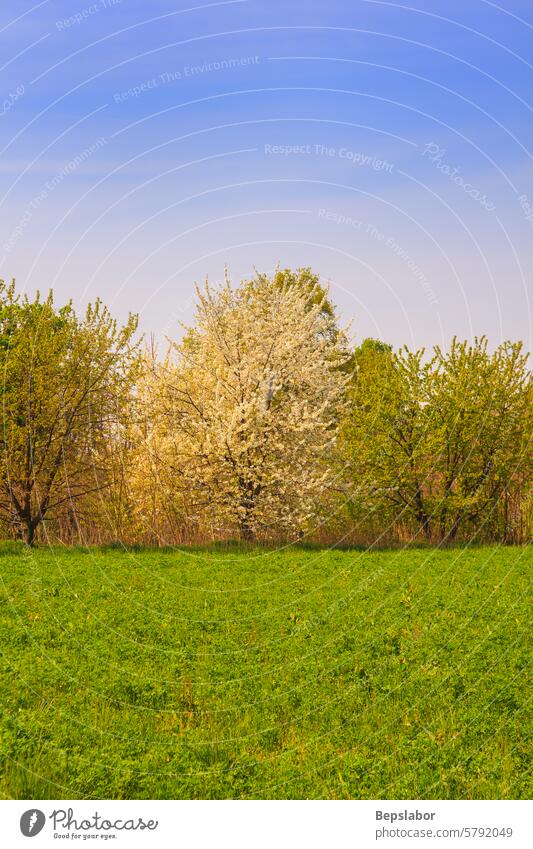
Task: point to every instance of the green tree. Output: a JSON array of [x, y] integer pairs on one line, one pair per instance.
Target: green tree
[[384, 436], [64, 385], [304, 279], [444, 443], [481, 404]]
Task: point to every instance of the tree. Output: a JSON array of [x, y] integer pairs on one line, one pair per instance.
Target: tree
[[308, 283], [482, 415], [160, 510], [385, 436], [441, 443], [65, 383], [247, 406]]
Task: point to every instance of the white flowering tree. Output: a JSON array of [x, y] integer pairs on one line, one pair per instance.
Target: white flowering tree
[[246, 407]]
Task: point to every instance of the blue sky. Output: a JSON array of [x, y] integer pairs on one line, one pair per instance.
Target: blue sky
[[145, 146]]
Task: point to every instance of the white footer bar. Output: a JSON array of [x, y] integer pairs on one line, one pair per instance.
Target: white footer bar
[[267, 825]]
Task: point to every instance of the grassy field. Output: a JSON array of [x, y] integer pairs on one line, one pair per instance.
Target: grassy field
[[259, 674]]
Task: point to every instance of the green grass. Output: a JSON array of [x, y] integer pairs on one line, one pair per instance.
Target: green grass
[[264, 674]]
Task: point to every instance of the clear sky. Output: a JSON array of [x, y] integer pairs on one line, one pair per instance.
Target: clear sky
[[147, 145]]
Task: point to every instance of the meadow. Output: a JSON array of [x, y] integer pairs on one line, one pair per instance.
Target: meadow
[[294, 673]]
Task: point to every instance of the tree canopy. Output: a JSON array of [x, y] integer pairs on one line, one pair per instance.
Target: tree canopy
[[443, 441], [245, 407], [262, 422], [64, 381]]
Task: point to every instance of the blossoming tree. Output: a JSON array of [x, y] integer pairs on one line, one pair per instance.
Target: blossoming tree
[[246, 405]]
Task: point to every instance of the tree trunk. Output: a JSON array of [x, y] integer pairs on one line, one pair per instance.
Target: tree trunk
[[454, 528], [246, 532], [31, 527], [443, 516], [422, 516], [249, 493]]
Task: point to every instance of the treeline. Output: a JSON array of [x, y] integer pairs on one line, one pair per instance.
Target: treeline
[[261, 423]]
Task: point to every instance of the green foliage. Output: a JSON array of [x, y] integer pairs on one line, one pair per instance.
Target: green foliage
[[481, 405], [256, 674], [371, 347], [441, 445], [242, 428], [64, 382], [309, 283]]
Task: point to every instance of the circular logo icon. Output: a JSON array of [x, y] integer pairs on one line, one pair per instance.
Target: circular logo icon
[[32, 822]]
